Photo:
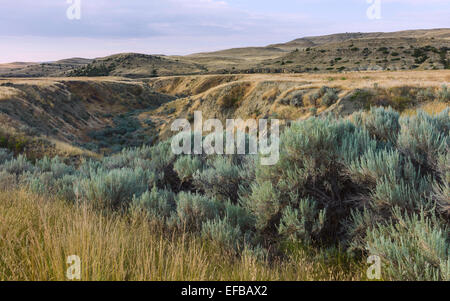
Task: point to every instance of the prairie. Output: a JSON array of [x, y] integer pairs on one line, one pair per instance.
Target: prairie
[[87, 168]]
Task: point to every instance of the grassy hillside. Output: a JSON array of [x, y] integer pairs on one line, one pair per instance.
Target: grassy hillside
[[57, 68], [443, 33], [365, 54], [71, 111], [105, 114], [137, 65], [404, 50], [292, 97]]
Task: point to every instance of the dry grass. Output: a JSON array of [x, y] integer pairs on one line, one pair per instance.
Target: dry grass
[[432, 108], [37, 234], [65, 149]]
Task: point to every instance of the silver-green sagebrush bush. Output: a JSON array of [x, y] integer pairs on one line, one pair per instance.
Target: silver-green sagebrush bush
[[425, 138], [304, 223], [221, 178], [113, 188], [18, 166], [187, 166], [222, 232], [192, 210], [382, 124], [5, 155], [444, 93], [158, 203], [413, 247]]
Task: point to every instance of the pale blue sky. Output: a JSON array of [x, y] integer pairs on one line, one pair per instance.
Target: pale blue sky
[[32, 30]]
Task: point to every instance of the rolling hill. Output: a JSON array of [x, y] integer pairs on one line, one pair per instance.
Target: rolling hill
[[403, 50]]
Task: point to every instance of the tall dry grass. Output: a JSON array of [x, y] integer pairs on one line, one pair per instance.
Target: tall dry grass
[[432, 108], [37, 234]]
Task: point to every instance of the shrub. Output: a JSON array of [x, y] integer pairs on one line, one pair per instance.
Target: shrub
[[426, 95], [117, 161], [238, 216], [41, 183], [220, 179], [159, 204], [187, 166], [55, 166], [412, 247], [444, 94], [5, 155], [313, 154], [65, 187], [17, 166], [49, 183], [330, 97], [222, 232], [383, 124], [374, 165], [314, 97], [264, 203], [424, 137], [441, 195], [304, 223], [162, 159], [192, 210], [297, 100], [411, 194], [115, 188]]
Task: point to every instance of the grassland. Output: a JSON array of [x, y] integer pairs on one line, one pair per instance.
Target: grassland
[[38, 233], [86, 168]]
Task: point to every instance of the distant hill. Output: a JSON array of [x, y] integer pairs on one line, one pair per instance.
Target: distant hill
[[343, 37], [136, 65], [403, 50], [401, 53], [56, 68]]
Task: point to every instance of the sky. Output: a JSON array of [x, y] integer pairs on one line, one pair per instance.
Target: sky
[[47, 30]]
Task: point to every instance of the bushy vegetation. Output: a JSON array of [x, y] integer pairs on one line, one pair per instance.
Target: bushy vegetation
[[399, 98], [126, 131], [373, 184], [93, 70], [328, 95]]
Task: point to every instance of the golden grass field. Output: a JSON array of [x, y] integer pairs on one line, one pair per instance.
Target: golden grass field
[[39, 233]]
